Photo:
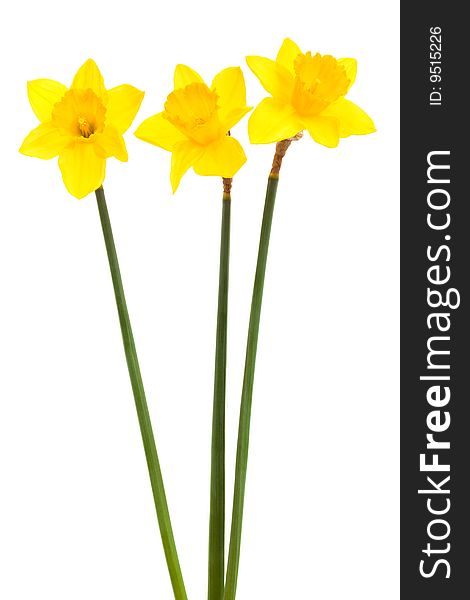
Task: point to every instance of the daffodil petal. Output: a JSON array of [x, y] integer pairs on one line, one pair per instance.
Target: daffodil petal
[[274, 77], [110, 143], [222, 158], [44, 142], [324, 130], [287, 54], [123, 103], [184, 155], [350, 66], [160, 132], [273, 121], [184, 75], [82, 169], [229, 85], [89, 77], [42, 95], [232, 118], [352, 119]]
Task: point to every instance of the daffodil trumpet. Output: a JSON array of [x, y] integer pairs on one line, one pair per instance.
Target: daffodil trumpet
[[195, 122], [307, 93], [84, 125], [143, 415]]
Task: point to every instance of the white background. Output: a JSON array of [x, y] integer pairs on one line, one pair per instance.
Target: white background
[[76, 514]]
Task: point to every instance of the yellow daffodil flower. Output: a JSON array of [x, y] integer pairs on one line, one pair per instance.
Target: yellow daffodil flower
[[308, 92], [82, 125], [196, 121]]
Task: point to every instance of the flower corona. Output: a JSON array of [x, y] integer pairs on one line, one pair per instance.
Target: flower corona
[[196, 121], [83, 125], [308, 92]]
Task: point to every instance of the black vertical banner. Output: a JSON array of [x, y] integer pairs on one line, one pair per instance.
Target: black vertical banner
[[435, 302]]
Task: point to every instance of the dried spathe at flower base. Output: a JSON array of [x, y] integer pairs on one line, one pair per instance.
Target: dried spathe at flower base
[[83, 125], [308, 92], [195, 123]]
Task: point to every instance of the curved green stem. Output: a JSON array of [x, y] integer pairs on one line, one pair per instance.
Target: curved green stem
[[247, 393], [141, 406]]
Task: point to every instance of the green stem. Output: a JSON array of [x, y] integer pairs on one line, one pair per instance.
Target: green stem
[[247, 393], [141, 406], [217, 499]]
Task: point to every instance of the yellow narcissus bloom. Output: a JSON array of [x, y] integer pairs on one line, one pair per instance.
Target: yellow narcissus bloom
[[307, 93], [83, 125], [196, 121]]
